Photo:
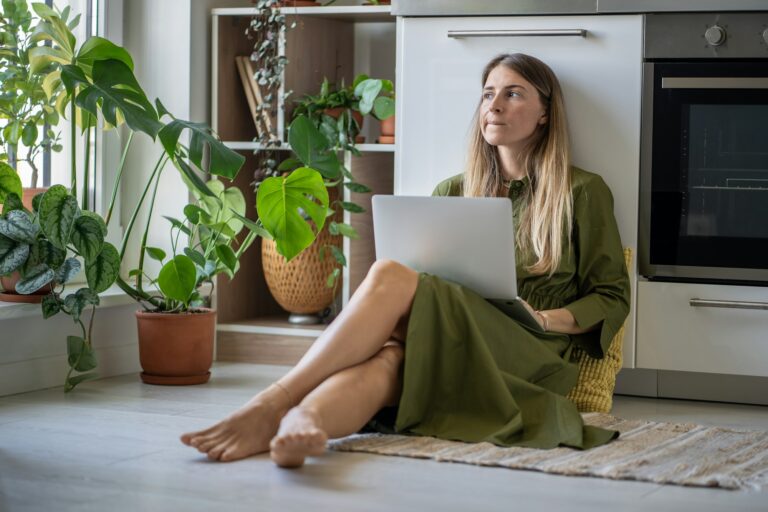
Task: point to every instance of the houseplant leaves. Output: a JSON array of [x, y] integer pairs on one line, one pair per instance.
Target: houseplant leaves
[[279, 203]]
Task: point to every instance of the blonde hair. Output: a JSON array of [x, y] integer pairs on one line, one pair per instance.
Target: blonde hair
[[549, 212]]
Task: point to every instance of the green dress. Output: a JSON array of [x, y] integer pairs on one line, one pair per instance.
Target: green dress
[[473, 374]]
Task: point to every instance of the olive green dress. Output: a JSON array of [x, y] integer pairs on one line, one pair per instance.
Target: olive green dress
[[473, 374]]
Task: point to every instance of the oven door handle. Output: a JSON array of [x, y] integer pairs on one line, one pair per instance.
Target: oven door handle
[[732, 304], [457, 34], [713, 82]]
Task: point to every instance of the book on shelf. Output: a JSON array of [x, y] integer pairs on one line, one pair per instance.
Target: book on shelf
[[261, 116]]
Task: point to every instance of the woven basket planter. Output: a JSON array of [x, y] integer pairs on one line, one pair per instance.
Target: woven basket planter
[[299, 286]]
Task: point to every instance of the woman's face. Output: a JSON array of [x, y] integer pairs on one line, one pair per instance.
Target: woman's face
[[511, 109]]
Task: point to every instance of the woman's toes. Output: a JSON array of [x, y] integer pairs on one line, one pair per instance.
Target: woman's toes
[[215, 453]]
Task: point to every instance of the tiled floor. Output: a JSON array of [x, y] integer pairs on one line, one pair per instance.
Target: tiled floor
[[112, 445]]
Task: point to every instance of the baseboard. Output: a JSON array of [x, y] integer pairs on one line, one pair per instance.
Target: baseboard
[[711, 387], [34, 351]]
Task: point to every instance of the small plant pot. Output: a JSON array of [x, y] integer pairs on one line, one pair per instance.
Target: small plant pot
[[176, 349], [29, 194], [387, 131], [9, 293], [357, 116]]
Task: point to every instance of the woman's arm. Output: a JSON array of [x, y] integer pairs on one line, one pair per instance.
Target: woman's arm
[[558, 320]]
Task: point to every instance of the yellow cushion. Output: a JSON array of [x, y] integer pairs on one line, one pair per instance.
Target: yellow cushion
[[597, 377]]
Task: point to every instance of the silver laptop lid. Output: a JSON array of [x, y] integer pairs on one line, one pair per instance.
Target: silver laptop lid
[[470, 241]]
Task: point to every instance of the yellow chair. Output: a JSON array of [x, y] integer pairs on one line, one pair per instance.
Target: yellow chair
[[597, 377]]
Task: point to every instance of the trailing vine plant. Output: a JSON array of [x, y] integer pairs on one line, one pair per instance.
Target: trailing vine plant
[[267, 28]]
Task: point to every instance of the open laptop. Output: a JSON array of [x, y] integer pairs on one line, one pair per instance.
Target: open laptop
[[467, 240]]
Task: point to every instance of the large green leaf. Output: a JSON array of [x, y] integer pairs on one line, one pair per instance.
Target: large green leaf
[[280, 202], [115, 92], [222, 161], [13, 254], [87, 237], [68, 269], [12, 202], [312, 148], [97, 48], [43, 251], [102, 271], [10, 183], [367, 90], [222, 208], [384, 107], [18, 226], [35, 278], [58, 213], [177, 278]]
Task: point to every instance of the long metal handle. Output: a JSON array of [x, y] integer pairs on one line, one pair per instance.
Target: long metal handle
[[457, 34], [732, 304], [714, 82]]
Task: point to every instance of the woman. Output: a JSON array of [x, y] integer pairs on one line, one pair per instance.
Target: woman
[[455, 366]]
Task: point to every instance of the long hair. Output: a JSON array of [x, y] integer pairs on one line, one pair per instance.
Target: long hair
[[546, 161]]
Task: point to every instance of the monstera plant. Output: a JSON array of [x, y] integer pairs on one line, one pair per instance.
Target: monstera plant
[[93, 83]]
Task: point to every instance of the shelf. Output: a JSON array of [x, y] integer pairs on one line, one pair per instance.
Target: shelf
[[254, 146], [272, 325], [355, 13]]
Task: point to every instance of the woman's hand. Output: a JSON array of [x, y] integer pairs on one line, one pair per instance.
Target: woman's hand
[[541, 319]]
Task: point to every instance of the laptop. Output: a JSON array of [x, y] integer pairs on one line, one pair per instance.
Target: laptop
[[467, 240]]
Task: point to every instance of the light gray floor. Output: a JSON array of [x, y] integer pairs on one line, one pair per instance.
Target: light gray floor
[[112, 445]]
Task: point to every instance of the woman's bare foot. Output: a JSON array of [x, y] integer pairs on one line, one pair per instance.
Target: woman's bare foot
[[246, 432], [300, 435]]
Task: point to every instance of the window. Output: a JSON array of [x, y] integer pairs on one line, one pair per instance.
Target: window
[[49, 167]]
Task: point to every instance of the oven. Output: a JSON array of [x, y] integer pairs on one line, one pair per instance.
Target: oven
[[704, 148]]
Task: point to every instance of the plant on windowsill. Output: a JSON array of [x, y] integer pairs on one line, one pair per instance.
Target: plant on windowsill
[[98, 81], [26, 110]]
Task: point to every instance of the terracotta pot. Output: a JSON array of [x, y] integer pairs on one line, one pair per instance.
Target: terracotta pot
[[29, 194], [336, 112], [387, 131], [176, 349], [9, 290]]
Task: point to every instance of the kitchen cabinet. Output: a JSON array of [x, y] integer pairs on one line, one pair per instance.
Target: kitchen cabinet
[[677, 335], [600, 71]]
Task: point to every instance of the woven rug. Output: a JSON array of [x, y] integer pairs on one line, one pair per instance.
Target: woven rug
[[665, 453]]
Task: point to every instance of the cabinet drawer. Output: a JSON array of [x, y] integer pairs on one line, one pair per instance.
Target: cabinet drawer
[[674, 335]]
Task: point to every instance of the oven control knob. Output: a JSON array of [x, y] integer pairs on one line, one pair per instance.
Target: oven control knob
[[765, 36], [715, 35]]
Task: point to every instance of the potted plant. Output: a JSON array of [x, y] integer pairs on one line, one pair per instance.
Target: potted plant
[[334, 112], [377, 98], [102, 84], [28, 113], [48, 242]]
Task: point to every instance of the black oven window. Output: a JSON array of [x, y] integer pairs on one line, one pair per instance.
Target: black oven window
[[725, 178]]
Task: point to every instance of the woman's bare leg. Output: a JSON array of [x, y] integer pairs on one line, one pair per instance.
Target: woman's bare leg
[[340, 406], [377, 312]]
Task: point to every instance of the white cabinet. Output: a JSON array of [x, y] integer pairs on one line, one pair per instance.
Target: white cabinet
[[678, 336], [439, 88]]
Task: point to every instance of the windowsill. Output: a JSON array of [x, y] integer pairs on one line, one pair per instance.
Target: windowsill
[[112, 297]]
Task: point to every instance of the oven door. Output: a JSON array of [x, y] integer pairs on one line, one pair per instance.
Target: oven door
[[704, 171]]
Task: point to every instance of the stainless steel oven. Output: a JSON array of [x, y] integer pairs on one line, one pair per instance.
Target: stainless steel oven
[[704, 148]]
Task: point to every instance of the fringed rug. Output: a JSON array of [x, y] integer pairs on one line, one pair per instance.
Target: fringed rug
[[665, 453]]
